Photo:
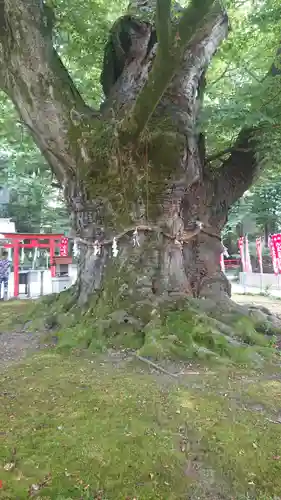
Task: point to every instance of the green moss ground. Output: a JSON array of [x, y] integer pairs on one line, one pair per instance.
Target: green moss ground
[[14, 314], [174, 331], [121, 432], [98, 428]]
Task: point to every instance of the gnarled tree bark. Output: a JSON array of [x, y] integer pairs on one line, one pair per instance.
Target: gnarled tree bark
[[139, 161]]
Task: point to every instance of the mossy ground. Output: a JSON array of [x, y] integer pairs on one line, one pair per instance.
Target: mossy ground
[[114, 430], [14, 314], [175, 331], [170, 330], [110, 432]]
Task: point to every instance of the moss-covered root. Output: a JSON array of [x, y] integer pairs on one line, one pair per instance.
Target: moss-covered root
[[176, 329], [199, 330]]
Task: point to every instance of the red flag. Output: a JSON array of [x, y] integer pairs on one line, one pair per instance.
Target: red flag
[[259, 252], [273, 255], [242, 252], [248, 263], [64, 247], [276, 241], [222, 263]]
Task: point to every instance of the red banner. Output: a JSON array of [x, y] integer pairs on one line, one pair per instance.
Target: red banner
[[242, 252], [222, 263], [259, 252], [248, 264], [64, 247], [272, 245]]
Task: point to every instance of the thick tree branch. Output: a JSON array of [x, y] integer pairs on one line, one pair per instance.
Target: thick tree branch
[[164, 69], [163, 26], [33, 76], [242, 167], [239, 171], [225, 152], [218, 155]]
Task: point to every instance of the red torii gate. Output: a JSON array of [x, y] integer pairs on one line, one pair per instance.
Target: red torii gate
[[49, 241]]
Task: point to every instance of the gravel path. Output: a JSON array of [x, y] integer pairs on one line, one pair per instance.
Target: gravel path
[[16, 345], [259, 300]]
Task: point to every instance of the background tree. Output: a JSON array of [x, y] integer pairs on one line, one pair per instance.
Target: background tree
[[35, 204], [144, 159], [258, 212]]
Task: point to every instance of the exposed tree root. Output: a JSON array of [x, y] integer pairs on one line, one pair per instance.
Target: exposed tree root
[[155, 366], [169, 327]]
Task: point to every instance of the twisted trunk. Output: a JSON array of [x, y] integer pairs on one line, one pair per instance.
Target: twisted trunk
[[162, 181]]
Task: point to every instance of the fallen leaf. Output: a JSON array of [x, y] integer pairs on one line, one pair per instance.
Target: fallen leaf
[[34, 488], [9, 467], [276, 457], [151, 475]]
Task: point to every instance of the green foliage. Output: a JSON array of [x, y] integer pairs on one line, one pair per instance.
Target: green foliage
[[81, 34], [34, 204], [238, 92]]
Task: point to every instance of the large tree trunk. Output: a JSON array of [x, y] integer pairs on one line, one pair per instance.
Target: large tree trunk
[[140, 161], [162, 186], [163, 256]]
